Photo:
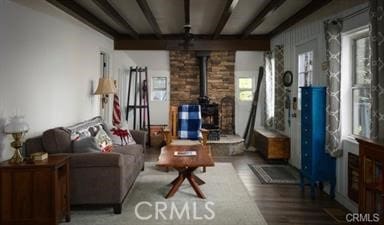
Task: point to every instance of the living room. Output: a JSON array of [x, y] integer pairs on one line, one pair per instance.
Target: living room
[[124, 70]]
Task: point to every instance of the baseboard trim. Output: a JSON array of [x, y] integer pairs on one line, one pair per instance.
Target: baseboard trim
[[346, 202]]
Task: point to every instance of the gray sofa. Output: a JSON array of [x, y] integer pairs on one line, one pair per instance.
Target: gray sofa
[[96, 178]]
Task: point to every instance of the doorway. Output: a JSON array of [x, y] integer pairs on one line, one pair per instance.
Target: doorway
[[304, 72]]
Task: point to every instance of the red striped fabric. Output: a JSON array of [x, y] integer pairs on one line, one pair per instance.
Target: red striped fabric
[[116, 118]]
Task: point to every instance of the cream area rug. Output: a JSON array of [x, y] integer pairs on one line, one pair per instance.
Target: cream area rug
[[227, 202]]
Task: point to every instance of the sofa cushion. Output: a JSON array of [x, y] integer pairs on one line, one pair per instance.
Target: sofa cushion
[[128, 149], [92, 159], [57, 140], [87, 144]]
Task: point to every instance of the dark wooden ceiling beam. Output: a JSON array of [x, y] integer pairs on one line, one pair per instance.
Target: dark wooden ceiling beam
[[269, 8], [229, 7], [310, 8], [108, 9], [257, 43], [150, 17], [76, 10], [187, 16]]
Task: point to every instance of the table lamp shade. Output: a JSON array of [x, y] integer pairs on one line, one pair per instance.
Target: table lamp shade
[[16, 125], [106, 86]]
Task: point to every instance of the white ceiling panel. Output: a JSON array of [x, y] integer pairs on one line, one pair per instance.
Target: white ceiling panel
[[169, 15], [130, 10], [95, 10], [286, 10], [243, 14], [205, 15]]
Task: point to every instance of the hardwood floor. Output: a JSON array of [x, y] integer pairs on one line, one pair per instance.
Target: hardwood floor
[[279, 204]]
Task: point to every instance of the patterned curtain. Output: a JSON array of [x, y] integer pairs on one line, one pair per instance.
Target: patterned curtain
[[333, 52], [269, 93], [279, 88], [377, 68]]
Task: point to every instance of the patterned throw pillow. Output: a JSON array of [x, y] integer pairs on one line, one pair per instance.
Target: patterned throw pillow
[[121, 136], [104, 141]]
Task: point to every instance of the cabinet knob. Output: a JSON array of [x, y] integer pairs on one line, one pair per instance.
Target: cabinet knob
[[306, 154], [305, 142], [305, 167]]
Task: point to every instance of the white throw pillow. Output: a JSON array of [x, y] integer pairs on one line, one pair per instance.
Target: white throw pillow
[[121, 136]]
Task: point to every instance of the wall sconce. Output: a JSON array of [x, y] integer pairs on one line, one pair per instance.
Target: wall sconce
[[17, 127], [105, 87]]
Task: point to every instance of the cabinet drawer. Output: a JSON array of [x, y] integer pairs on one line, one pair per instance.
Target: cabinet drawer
[[306, 168], [306, 105], [306, 130], [306, 155]]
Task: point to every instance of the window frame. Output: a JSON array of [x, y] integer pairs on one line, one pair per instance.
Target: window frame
[[154, 89], [354, 85], [302, 73], [245, 89]]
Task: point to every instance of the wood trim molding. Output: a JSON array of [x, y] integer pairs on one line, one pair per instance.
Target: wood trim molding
[[307, 10], [259, 18], [150, 17], [76, 10], [229, 7], [108, 9], [257, 44]]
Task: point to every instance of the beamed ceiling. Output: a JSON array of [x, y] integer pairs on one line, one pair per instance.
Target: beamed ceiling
[[190, 24]]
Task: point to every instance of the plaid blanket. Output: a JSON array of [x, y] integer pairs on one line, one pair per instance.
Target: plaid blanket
[[189, 122]]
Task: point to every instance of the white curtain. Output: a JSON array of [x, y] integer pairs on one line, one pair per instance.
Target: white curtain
[[269, 99]]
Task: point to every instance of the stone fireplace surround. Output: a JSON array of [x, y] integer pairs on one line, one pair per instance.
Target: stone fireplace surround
[[185, 80]]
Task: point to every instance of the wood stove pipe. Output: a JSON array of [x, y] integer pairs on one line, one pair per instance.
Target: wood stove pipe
[[203, 61]]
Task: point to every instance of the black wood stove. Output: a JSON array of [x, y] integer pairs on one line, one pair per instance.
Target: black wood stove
[[209, 110]]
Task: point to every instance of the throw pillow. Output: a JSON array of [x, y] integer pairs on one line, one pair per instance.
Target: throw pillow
[[57, 140], [87, 144], [103, 141], [121, 136]]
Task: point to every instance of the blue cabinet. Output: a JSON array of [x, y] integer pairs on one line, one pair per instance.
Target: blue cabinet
[[316, 164]]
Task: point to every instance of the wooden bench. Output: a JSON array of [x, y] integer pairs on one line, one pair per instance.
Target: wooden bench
[[272, 144]]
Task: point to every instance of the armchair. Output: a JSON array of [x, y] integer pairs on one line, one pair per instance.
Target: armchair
[[185, 124]]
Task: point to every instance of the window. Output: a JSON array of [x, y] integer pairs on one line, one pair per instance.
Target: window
[[361, 98], [159, 89], [245, 89], [305, 73]]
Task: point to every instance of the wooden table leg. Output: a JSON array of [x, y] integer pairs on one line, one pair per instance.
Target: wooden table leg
[[192, 178], [195, 186], [176, 185], [197, 179]]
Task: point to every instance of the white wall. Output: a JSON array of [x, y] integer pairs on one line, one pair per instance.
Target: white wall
[[308, 30], [157, 63], [49, 67], [247, 64]]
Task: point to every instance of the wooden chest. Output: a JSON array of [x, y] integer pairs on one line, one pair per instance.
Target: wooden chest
[[272, 145]]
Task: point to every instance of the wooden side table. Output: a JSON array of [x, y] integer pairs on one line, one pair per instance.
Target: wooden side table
[[35, 192]]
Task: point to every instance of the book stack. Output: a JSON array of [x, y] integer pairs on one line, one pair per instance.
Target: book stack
[[37, 156]]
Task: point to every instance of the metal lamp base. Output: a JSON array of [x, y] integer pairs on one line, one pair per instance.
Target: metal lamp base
[[17, 144]]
